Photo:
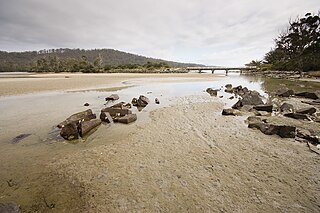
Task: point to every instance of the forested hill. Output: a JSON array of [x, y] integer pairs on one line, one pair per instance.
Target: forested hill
[[55, 58]]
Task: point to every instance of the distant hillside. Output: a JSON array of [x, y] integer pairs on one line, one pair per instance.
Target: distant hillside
[[27, 61]]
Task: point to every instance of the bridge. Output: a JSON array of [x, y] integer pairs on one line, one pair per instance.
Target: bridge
[[227, 69]]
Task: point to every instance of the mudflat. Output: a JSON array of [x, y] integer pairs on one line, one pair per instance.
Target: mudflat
[[184, 156]]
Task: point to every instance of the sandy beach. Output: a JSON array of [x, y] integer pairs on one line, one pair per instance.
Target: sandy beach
[[185, 157]]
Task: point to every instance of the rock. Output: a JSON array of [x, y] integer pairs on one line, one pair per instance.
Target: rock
[[121, 105], [19, 138], [112, 97], [9, 208], [86, 104], [229, 112], [232, 97], [212, 92], [264, 107], [297, 116], [78, 117], [134, 101], [286, 131], [88, 126], [143, 101], [255, 112], [285, 107], [116, 111], [271, 129], [315, 102], [285, 93], [307, 110], [69, 131], [254, 119], [311, 95], [237, 105], [229, 90], [228, 86], [306, 134], [156, 100], [251, 98], [106, 117], [221, 96], [127, 119]]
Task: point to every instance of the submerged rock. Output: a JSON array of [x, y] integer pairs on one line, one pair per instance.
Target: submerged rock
[[19, 138], [86, 104]]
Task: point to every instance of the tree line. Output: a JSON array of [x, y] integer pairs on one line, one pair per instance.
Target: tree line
[[297, 48]]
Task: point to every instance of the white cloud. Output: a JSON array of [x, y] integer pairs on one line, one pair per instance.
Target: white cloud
[[213, 32]]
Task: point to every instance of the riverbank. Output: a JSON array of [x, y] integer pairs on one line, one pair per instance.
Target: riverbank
[[179, 156]]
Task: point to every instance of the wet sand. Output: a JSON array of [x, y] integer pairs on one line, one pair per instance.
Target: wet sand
[[186, 158], [33, 83]]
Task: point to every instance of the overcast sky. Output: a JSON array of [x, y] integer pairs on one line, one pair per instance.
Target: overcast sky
[[211, 32]]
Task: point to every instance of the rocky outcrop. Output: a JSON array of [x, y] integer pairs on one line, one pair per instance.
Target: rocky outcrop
[[297, 116]]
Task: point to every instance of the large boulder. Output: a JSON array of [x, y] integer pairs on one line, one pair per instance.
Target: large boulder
[[78, 117], [121, 105], [307, 110], [88, 126], [112, 97], [285, 93], [69, 131]]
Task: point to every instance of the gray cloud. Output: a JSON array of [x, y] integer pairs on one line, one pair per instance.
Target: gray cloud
[[213, 32]]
